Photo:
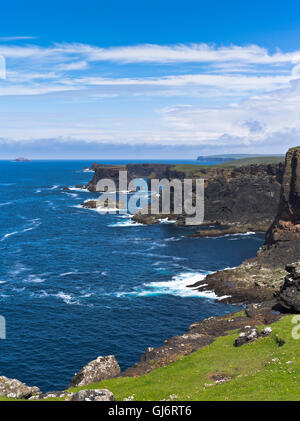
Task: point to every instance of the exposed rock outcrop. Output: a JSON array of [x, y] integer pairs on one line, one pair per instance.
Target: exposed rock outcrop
[[286, 226], [94, 204], [251, 335], [289, 294], [202, 334], [93, 395], [13, 388], [100, 369], [260, 277], [106, 172], [219, 231]]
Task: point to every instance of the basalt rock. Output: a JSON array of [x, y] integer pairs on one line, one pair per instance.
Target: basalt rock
[[90, 204], [282, 244], [94, 204], [289, 294], [95, 371], [110, 172], [258, 278], [286, 226], [245, 196], [221, 230], [202, 334]]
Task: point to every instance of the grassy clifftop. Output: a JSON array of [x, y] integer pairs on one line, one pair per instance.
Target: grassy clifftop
[[195, 169], [261, 370]]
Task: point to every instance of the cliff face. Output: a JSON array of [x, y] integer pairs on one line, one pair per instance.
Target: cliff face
[[105, 171], [260, 277], [286, 226], [247, 196]]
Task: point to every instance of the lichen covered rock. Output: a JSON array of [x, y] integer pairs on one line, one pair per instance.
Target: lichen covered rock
[[13, 388], [93, 395], [95, 371]]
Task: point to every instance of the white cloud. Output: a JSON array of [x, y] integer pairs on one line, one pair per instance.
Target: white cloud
[[76, 65], [151, 53], [265, 119], [246, 95]]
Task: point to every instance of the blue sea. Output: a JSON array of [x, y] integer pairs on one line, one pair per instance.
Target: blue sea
[[76, 284]]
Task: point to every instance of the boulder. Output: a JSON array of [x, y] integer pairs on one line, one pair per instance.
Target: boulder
[[90, 204], [13, 388], [251, 334], [95, 371], [289, 294], [93, 395]]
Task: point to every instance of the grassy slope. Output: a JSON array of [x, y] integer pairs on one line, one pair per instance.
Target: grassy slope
[[253, 374], [196, 169]]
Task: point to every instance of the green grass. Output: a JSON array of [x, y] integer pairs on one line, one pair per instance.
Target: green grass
[[252, 373], [253, 160], [194, 169]]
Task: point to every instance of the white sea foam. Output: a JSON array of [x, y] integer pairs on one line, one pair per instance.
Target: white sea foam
[[177, 286], [9, 234], [32, 225], [67, 298], [128, 223], [6, 203], [70, 194], [79, 189], [69, 273], [232, 235], [166, 221], [34, 279], [173, 238]]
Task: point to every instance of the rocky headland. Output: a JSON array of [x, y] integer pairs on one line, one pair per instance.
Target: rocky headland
[[258, 278], [236, 199]]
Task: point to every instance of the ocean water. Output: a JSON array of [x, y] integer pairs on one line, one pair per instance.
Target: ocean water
[[76, 284]]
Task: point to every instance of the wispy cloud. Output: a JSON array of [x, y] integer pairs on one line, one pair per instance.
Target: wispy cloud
[[17, 38], [151, 53]]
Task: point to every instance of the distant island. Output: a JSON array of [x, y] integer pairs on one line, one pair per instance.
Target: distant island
[[22, 159]]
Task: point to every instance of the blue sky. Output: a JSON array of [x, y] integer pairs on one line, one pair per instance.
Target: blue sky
[[159, 79]]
